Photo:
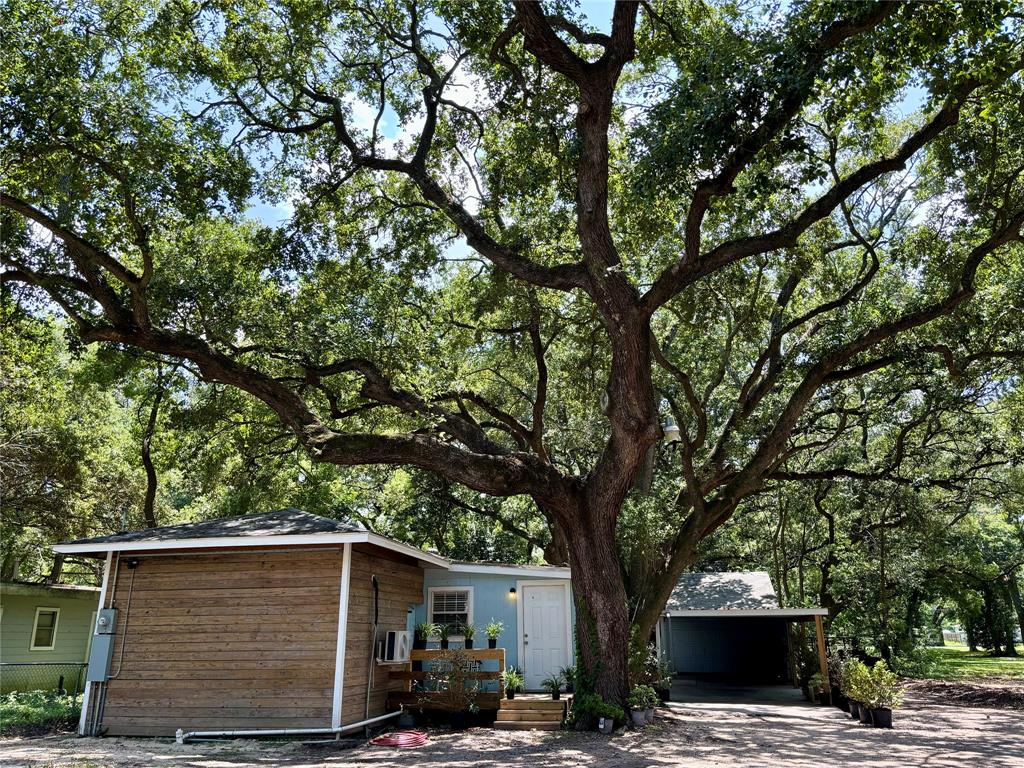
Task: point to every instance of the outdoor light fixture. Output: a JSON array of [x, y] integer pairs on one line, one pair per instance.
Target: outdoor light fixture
[[512, 592], [670, 431]]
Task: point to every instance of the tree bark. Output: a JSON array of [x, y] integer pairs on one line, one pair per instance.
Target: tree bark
[[149, 502], [1018, 604]]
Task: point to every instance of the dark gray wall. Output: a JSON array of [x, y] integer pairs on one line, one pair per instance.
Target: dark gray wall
[[740, 649]]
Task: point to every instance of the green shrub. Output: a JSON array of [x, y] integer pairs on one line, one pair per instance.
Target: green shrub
[[587, 707], [883, 688], [856, 683], [642, 697], [23, 709]]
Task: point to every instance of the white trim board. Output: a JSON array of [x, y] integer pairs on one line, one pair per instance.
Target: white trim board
[[55, 610], [339, 652], [740, 613], [470, 598], [248, 542], [535, 572], [99, 606]]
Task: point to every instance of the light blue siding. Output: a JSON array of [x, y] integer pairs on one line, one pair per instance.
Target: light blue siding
[[491, 600]]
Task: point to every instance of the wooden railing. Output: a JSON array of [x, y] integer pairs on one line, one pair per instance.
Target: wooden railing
[[484, 699]]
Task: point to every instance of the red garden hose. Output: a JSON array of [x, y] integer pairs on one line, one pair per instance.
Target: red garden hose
[[401, 739]]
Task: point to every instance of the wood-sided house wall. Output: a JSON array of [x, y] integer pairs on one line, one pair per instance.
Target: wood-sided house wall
[[247, 639]]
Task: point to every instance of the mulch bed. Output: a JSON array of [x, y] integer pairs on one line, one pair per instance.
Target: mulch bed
[[1000, 693]]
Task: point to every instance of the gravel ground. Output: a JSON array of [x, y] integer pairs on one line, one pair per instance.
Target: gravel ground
[[927, 733]]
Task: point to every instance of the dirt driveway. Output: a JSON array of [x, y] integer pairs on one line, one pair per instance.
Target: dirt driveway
[[735, 735]]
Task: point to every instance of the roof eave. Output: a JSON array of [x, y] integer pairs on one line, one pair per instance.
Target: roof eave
[[250, 542], [779, 613]]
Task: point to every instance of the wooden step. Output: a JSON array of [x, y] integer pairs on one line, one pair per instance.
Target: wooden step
[[533, 704], [530, 715], [528, 725]]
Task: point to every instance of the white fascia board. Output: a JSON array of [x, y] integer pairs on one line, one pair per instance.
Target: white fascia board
[[218, 542], [510, 570], [778, 613], [250, 542]]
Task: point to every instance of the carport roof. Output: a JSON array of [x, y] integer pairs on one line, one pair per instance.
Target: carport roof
[[730, 593]]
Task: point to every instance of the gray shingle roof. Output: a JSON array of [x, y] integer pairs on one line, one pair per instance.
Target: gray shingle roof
[[723, 591], [283, 522]]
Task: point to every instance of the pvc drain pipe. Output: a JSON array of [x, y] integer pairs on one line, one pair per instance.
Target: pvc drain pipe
[[182, 736]]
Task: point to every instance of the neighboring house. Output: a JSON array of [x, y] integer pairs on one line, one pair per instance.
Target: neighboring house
[[266, 622], [48, 626]]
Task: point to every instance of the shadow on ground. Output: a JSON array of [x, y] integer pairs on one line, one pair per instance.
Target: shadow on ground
[[693, 733]]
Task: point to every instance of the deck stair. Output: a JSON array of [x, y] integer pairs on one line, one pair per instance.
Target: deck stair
[[528, 712]]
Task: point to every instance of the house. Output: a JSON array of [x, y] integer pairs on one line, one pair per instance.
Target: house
[[45, 630], [269, 623]]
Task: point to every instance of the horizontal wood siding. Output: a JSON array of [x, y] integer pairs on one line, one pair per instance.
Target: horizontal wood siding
[[225, 641], [401, 586]]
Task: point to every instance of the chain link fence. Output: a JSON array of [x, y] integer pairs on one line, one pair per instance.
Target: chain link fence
[[59, 677]]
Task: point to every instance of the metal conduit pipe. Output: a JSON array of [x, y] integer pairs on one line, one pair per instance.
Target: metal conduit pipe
[[182, 736]]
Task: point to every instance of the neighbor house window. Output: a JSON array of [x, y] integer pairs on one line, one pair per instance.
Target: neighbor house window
[[44, 631], [452, 606]]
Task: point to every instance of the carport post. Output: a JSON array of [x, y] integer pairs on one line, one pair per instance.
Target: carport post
[[822, 658]]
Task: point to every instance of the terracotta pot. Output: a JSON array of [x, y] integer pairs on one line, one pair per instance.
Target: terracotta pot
[[881, 717]]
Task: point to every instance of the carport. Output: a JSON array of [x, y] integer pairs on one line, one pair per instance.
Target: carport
[[728, 627]]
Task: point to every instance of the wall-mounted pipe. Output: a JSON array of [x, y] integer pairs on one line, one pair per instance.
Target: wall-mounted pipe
[[182, 736]]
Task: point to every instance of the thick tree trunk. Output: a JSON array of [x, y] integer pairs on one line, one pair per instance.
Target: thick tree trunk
[[602, 622], [1018, 604]]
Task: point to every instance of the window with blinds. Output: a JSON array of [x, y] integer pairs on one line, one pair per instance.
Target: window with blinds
[[453, 607]]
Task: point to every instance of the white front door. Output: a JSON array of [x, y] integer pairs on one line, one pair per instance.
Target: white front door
[[545, 632]]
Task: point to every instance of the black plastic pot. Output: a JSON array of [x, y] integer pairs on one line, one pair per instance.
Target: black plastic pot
[[854, 709], [865, 715], [419, 643], [492, 642], [664, 694], [843, 703], [570, 688], [556, 695], [469, 644], [444, 645], [823, 698], [881, 717], [510, 694]]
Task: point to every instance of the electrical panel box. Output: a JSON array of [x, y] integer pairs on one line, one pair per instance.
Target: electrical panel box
[[102, 648]]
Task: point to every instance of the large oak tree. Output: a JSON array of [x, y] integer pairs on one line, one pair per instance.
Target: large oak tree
[[518, 243]]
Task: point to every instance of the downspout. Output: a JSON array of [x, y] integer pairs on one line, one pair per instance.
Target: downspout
[[182, 736]]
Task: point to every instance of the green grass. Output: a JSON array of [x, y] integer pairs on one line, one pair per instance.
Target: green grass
[[955, 662], [29, 710]]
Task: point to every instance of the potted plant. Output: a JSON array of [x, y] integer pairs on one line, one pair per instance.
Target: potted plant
[[443, 630], [663, 683], [818, 690], [855, 679], [452, 686], [493, 631], [424, 631], [886, 694], [637, 701], [513, 681], [835, 676], [468, 632], [652, 702], [589, 710], [553, 685], [569, 675]]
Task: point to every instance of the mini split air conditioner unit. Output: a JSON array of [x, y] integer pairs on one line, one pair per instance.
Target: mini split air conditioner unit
[[394, 648]]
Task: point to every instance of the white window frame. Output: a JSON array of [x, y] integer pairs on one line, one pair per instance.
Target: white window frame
[[35, 627], [450, 588]]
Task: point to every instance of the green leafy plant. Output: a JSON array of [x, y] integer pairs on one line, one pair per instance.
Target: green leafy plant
[[817, 682], [552, 684], [425, 630], [856, 683], [443, 631], [512, 678], [642, 697], [588, 707], [37, 709], [568, 674], [494, 629], [883, 688], [468, 631]]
